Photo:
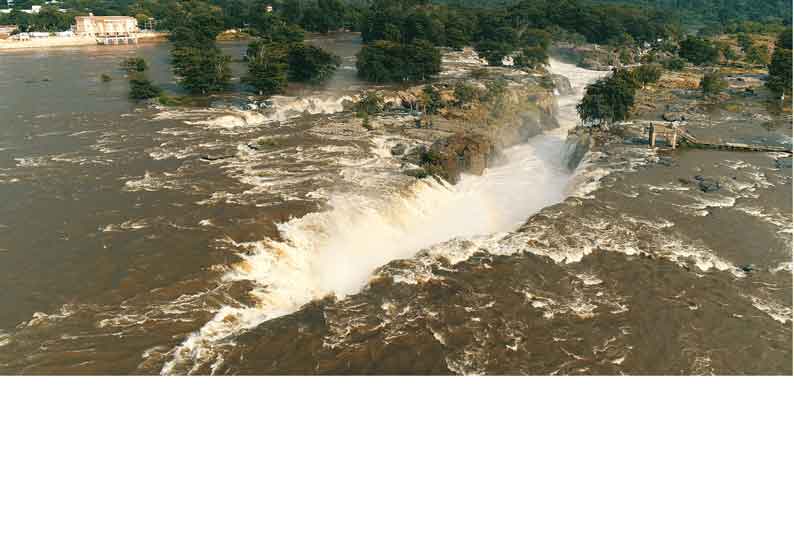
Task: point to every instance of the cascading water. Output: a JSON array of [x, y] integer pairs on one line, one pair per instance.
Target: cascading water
[[336, 251]]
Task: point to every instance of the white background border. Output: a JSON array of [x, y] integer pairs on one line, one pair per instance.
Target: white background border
[[396, 459]]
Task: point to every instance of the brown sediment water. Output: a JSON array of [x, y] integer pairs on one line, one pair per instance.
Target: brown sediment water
[[226, 240]]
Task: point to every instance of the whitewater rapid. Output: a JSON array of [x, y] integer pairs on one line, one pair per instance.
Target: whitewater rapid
[[335, 252]]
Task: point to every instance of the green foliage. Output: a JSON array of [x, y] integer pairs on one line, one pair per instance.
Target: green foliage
[[134, 64], [711, 84], [202, 70], [757, 55], [49, 19], [271, 29], [744, 41], [384, 61], [196, 59], [780, 72], [494, 51], [143, 89], [278, 58], [720, 13], [608, 100], [647, 74], [531, 57], [105, 78], [494, 90], [675, 64], [370, 103], [534, 37], [728, 52], [431, 99], [310, 64], [267, 68], [195, 24], [698, 51], [465, 93]]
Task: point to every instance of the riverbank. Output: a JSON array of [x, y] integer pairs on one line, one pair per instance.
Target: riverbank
[[76, 41]]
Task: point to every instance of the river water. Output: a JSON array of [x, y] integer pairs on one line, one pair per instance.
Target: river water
[[141, 239]]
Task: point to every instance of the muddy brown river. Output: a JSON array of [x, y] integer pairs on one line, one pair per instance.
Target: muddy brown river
[[139, 239]]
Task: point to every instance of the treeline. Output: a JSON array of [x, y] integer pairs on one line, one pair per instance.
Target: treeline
[[715, 16], [405, 20], [399, 35]]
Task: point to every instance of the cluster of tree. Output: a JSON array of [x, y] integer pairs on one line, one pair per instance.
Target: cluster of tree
[[279, 56], [711, 84], [141, 87], [384, 61], [407, 20], [698, 50], [496, 40], [704, 51], [400, 39], [753, 53], [196, 59], [718, 15], [49, 19], [780, 73], [321, 15], [610, 99]]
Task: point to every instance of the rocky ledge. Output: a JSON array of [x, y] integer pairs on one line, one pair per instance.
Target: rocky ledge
[[506, 107]]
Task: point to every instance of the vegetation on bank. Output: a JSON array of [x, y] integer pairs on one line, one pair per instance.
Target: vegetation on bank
[[385, 61], [780, 75], [609, 100], [401, 37]]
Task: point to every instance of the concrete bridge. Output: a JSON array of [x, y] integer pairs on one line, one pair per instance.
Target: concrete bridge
[[676, 135]]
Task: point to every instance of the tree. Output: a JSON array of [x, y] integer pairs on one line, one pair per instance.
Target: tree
[[267, 68], [744, 41], [647, 74], [202, 70], [712, 84], [531, 57], [465, 93], [310, 64], [534, 37], [196, 58], [134, 64], [780, 71], [431, 99], [384, 61], [143, 89], [422, 61], [608, 100], [757, 55], [675, 64], [370, 103], [698, 51], [493, 51]]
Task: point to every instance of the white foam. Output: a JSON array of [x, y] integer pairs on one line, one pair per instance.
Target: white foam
[[336, 251]]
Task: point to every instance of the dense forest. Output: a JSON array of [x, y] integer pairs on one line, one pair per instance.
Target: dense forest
[[719, 10], [597, 20]]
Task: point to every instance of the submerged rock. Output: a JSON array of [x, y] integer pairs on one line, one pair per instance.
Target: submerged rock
[[706, 184], [577, 145], [562, 84]]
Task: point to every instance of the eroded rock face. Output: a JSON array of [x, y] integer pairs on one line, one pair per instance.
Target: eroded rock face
[[510, 107], [578, 144], [562, 84]]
